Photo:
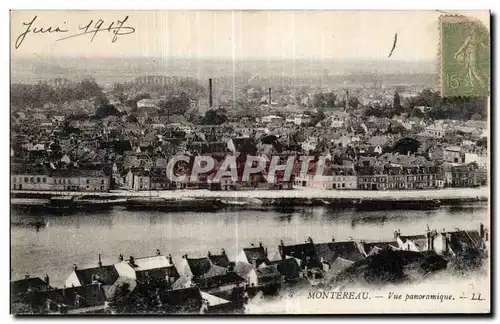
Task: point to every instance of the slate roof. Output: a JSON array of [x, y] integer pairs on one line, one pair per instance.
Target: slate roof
[[289, 268], [269, 271], [219, 259], [105, 274], [219, 280], [460, 239], [257, 253], [22, 286], [375, 246], [88, 296], [199, 266], [300, 251], [347, 250], [190, 297]]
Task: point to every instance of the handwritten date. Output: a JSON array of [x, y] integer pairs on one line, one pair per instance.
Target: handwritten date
[[93, 27]]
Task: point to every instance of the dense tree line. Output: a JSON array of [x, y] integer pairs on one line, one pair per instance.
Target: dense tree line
[[37, 95], [172, 86], [430, 105]]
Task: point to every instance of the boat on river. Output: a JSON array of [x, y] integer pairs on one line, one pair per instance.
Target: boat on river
[[408, 204], [173, 205]]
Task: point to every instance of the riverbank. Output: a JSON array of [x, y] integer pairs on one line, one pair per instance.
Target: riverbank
[[481, 193]]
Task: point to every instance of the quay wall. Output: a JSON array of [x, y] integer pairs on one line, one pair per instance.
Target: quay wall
[[481, 193]]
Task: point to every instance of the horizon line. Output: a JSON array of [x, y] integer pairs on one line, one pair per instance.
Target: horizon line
[[213, 58]]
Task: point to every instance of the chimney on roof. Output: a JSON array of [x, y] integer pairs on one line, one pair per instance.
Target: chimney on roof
[[120, 257], [27, 276], [269, 99], [46, 279], [131, 260], [170, 258], [100, 261], [158, 252], [75, 267], [346, 99], [223, 252], [481, 230], [447, 240], [281, 249], [260, 244], [209, 254], [210, 99], [254, 262], [333, 238]]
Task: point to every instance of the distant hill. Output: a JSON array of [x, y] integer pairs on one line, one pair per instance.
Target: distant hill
[[110, 70]]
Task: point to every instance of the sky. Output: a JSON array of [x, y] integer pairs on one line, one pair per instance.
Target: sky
[[241, 35]]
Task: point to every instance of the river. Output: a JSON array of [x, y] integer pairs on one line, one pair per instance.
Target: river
[[79, 238]]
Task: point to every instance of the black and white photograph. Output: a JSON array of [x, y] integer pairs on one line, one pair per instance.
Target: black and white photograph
[[249, 162]]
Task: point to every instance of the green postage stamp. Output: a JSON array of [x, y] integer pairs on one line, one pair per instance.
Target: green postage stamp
[[465, 57]]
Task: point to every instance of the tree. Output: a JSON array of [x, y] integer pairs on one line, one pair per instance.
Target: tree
[[331, 99], [214, 117], [353, 102], [105, 111], [176, 104], [318, 117], [131, 118]]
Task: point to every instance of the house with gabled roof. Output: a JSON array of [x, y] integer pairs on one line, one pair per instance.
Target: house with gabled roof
[[213, 274], [157, 268], [456, 242], [29, 284], [192, 301], [104, 274], [372, 248], [416, 243], [255, 267], [89, 299]]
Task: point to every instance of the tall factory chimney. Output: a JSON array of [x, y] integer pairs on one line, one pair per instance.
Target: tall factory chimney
[[269, 100], [210, 100], [346, 99]]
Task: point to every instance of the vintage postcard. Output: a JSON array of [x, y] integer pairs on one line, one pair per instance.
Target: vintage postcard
[[250, 162]]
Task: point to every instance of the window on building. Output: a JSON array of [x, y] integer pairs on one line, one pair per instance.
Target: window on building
[[88, 187], [64, 181], [88, 181], [140, 187], [32, 180], [343, 185], [44, 180], [102, 181], [55, 181], [102, 188]]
